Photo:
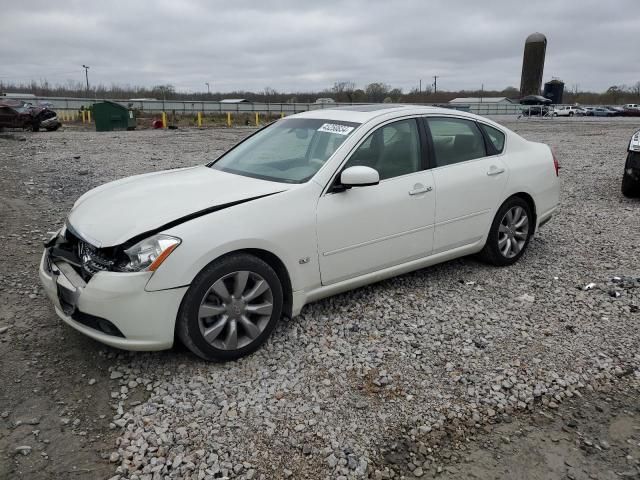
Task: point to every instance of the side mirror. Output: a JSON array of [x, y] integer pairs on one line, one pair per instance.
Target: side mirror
[[359, 176]]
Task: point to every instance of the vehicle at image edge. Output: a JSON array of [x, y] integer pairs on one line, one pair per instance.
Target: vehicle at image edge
[[18, 114], [568, 111], [312, 205], [635, 106], [631, 175]]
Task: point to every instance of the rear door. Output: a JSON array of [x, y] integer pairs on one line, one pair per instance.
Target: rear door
[[470, 174]]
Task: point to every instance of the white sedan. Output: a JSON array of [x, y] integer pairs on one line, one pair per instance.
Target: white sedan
[[309, 206]]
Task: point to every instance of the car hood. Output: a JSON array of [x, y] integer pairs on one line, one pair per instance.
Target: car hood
[[115, 212]]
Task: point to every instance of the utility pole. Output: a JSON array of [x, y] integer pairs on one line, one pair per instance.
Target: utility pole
[[86, 76], [420, 87], [481, 92], [208, 90], [435, 84]]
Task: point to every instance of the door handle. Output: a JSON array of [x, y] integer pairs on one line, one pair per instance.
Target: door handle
[[495, 171], [418, 190]]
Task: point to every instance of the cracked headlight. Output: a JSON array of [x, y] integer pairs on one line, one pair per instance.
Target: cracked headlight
[[148, 254]]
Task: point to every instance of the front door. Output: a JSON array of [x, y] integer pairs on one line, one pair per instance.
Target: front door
[[365, 229]]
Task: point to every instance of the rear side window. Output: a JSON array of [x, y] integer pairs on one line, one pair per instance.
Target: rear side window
[[455, 140], [495, 136]]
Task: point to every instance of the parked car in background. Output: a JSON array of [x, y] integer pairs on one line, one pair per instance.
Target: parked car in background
[[613, 112], [631, 112], [602, 112], [634, 106], [568, 111], [18, 114], [312, 205], [588, 111], [326, 101], [631, 175], [618, 110]]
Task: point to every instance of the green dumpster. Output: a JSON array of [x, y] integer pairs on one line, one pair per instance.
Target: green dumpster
[[110, 116]]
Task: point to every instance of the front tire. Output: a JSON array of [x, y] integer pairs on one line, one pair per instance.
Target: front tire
[[231, 308], [510, 233]]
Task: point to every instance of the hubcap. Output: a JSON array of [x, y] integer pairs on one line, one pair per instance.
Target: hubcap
[[235, 310], [513, 232]]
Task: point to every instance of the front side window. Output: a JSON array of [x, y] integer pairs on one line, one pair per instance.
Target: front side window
[[455, 140], [393, 150], [496, 137], [290, 150]]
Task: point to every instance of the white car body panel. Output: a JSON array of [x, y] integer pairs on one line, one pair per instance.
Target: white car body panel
[[467, 198], [328, 242], [145, 202], [367, 229], [121, 299]]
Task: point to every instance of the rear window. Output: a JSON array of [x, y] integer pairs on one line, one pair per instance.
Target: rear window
[[496, 137], [455, 140]]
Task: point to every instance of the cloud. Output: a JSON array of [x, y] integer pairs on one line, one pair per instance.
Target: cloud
[[300, 46]]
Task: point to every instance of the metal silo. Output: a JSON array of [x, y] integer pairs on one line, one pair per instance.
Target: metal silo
[[554, 91], [533, 64]]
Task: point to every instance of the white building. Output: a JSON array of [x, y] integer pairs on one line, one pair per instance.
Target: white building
[[487, 105]]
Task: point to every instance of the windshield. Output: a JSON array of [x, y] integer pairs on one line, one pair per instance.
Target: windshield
[[291, 150]]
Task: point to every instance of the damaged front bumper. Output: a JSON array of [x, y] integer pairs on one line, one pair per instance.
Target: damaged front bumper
[[111, 307]]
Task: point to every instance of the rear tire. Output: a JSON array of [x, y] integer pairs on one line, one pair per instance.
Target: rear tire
[[510, 233], [231, 308]]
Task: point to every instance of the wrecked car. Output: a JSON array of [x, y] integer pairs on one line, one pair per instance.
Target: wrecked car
[[18, 114], [312, 205], [631, 175]]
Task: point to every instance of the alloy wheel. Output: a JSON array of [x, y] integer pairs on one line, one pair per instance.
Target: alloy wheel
[[513, 232], [235, 310]]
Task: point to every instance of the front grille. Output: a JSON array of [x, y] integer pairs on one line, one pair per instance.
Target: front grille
[[91, 259]]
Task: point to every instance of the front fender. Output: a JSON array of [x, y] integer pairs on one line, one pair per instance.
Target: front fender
[[283, 225]]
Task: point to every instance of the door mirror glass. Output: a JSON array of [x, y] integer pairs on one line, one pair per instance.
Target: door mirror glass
[[359, 176]]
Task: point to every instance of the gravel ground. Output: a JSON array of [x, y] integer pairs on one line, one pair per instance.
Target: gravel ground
[[398, 379]]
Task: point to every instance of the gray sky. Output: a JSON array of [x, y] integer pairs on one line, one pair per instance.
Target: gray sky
[[297, 45]]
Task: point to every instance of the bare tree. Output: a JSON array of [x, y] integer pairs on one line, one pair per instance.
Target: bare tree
[[377, 92], [343, 91], [270, 94]]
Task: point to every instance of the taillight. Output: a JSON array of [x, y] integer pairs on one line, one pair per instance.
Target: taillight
[[556, 165]]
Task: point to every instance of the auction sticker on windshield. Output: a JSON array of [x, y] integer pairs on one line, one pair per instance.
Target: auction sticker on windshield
[[336, 128]]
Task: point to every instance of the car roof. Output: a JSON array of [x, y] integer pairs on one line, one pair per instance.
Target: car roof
[[364, 113]]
